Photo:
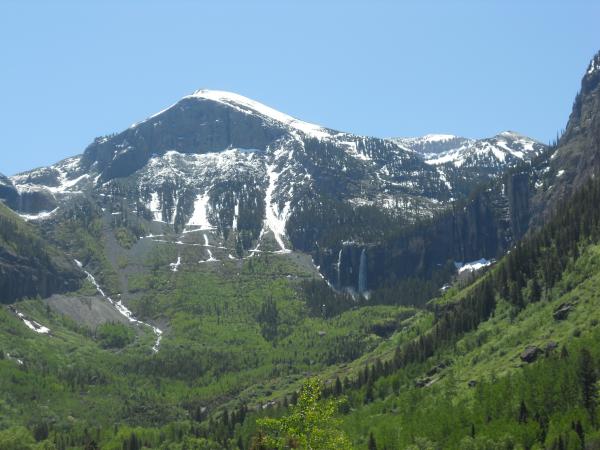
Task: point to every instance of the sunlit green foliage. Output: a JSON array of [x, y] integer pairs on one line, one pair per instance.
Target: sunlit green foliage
[[310, 425]]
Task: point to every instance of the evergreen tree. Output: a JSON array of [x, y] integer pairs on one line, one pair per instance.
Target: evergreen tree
[[588, 378], [523, 413], [535, 291], [372, 443], [338, 387], [369, 394]]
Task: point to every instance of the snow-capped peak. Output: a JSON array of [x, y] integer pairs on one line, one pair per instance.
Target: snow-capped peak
[[431, 144], [507, 144], [437, 137], [250, 106], [594, 65], [514, 135]]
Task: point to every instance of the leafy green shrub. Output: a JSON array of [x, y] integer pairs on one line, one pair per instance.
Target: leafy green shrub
[[125, 237], [114, 335]]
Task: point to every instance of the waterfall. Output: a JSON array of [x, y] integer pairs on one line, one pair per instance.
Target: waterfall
[[339, 269], [362, 273]]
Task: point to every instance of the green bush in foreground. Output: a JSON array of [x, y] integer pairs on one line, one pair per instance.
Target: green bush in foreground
[[310, 424]]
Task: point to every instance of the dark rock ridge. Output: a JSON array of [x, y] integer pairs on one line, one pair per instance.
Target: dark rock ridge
[[8, 192], [28, 266], [576, 157]]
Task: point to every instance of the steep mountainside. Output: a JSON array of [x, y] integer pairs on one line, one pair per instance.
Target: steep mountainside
[[577, 154], [28, 266], [510, 361]]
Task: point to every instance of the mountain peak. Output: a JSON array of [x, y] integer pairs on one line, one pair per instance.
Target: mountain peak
[[438, 137], [510, 134], [249, 106], [594, 66], [432, 143]]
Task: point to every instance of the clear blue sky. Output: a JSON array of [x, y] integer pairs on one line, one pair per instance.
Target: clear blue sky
[[71, 71]]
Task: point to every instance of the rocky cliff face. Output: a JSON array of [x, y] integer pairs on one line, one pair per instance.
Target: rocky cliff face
[[25, 201], [8, 192], [28, 266], [198, 124], [576, 157]]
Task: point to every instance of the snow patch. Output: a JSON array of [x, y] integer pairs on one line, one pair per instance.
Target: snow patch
[[200, 216], [39, 216], [594, 66], [175, 266], [32, 324], [236, 214], [154, 207], [437, 137], [472, 266]]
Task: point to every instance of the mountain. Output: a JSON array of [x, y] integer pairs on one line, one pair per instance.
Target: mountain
[[516, 348], [505, 149], [511, 357], [464, 162], [261, 180]]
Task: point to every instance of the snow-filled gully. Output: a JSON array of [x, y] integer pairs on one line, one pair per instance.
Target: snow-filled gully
[[122, 309], [275, 220]]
